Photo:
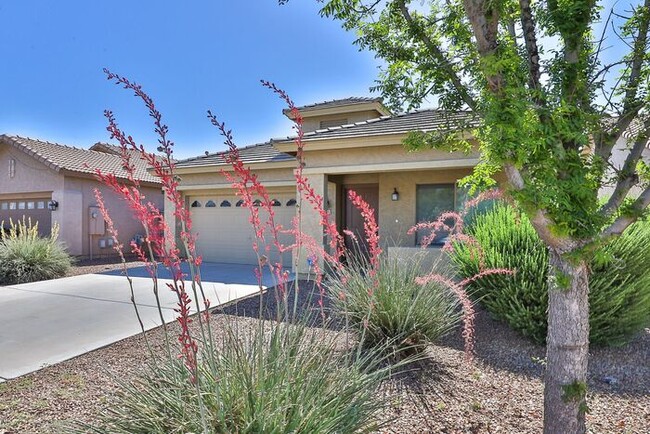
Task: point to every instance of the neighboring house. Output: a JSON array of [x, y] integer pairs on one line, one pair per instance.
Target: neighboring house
[[349, 144], [52, 183]]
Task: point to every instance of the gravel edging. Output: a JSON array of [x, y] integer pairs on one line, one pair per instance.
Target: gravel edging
[[501, 392]]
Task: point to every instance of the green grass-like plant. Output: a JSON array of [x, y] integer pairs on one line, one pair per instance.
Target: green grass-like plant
[[276, 378], [619, 284], [390, 309], [27, 257]]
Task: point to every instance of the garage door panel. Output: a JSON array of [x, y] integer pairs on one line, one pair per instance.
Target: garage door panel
[[224, 233], [32, 209]]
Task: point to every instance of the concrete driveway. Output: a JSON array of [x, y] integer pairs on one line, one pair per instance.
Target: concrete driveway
[[43, 323]]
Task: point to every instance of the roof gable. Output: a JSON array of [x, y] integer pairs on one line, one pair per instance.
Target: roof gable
[[67, 158]]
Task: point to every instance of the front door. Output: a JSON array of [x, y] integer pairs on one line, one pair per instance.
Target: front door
[[352, 219]]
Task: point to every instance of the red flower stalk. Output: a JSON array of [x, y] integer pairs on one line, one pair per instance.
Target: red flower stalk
[[370, 228]]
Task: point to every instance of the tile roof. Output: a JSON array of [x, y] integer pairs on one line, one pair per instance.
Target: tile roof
[[336, 103], [421, 120], [61, 157], [260, 153]]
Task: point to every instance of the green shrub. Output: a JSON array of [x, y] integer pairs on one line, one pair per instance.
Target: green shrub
[[286, 379], [26, 257], [619, 286], [392, 309]]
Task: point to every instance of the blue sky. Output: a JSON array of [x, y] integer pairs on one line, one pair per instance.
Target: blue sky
[[190, 56]]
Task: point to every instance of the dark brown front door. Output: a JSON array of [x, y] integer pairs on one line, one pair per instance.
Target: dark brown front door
[[352, 219]]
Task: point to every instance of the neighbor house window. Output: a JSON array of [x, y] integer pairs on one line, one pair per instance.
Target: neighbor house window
[[12, 168], [31, 205], [5, 206], [12, 205], [433, 200], [21, 205], [40, 204]]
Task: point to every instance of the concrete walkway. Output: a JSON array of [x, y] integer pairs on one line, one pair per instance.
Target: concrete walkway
[[43, 323]]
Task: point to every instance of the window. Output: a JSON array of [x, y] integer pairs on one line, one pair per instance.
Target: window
[[40, 204], [12, 205], [225, 204], [240, 202], [433, 200], [210, 204], [21, 205], [275, 202], [257, 202], [196, 204], [12, 168], [31, 205], [5, 206], [291, 202]]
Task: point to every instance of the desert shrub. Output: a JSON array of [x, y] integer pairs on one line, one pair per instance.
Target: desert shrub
[[390, 309], [285, 379], [27, 257], [619, 286]]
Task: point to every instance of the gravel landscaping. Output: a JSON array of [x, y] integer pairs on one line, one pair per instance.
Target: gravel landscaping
[[100, 265], [501, 392]]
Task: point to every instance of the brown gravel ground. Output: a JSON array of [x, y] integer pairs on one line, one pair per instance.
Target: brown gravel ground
[[501, 392], [99, 265]]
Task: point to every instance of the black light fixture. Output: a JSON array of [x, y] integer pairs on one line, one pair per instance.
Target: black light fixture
[[52, 205], [395, 195]]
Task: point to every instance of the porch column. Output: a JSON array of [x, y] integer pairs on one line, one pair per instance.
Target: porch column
[[170, 221], [310, 225]]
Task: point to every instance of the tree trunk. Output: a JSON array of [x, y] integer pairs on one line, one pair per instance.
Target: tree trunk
[[567, 346]]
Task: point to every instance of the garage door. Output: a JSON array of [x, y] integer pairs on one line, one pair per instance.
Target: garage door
[[224, 232], [34, 209]]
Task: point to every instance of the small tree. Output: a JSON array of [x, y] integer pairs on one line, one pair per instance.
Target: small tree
[[548, 113]]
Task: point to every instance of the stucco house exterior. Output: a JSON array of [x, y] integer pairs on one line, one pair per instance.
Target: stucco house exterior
[[53, 184], [354, 143]]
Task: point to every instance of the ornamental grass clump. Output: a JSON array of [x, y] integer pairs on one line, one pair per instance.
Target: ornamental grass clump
[[273, 378], [391, 308], [27, 257], [619, 300]]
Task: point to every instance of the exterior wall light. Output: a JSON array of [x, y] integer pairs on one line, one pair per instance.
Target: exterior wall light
[[395, 196], [52, 205]]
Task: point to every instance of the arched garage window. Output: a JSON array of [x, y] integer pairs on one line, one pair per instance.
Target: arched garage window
[[275, 202], [239, 203], [210, 204], [291, 202], [225, 204], [196, 204]]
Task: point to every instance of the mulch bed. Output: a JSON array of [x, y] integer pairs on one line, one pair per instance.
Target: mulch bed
[[500, 392]]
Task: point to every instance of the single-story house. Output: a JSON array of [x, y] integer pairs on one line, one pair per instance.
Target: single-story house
[[354, 143], [53, 184]]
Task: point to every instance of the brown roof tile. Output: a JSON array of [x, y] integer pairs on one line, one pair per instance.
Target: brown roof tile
[[260, 153], [61, 157]]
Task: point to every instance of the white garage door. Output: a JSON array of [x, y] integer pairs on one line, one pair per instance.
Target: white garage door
[[224, 232]]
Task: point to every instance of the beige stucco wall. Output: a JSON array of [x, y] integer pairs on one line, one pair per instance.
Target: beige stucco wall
[[78, 197], [375, 155], [30, 175], [313, 123]]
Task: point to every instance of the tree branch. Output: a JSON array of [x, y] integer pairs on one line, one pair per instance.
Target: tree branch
[[627, 177], [606, 140], [438, 56], [530, 39], [540, 221], [621, 223], [485, 26]]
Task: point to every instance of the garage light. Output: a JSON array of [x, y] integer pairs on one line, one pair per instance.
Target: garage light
[[52, 205]]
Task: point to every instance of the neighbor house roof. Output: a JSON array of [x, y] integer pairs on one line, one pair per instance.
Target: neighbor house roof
[[67, 158], [260, 153], [421, 120]]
